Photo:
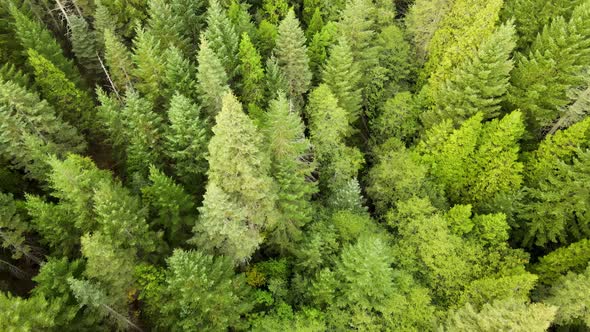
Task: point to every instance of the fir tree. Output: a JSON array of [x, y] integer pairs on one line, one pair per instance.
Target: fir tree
[[292, 57], [149, 67], [573, 258], [191, 18], [423, 20], [118, 59], [179, 74], [342, 76], [568, 294], [318, 48], [30, 130], [251, 71], [13, 229], [31, 314], [222, 37], [291, 168], [240, 199], [212, 81], [85, 46], [165, 26]]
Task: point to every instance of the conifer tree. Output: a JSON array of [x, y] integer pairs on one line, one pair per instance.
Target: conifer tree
[[573, 258], [251, 71], [165, 26], [75, 105], [292, 57], [85, 46], [31, 314], [191, 17], [275, 79], [149, 67], [30, 130], [13, 229], [238, 13], [291, 168], [240, 199], [144, 131], [179, 74], [266, 37], [318, 48], [569, 295], [562, 48], [329, 127], [342, 76], [118, 59], [186, 140], [33, 35], [467, 91], [315, 25], [190, 275], [212, 81], [423, 20], [464, 28], [222, 37], [108, 112]]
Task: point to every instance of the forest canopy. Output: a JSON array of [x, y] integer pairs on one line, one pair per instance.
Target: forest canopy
[[284, 165]]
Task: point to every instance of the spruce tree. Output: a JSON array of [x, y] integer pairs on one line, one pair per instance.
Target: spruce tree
[[118, 59], [212, 81], [85, 46], [239, 202], [477, 85], [75, 105], [30, 130], [292, 57], [319, 46], [222, 37], [34, 35], [562, 48], [165, 26], [186, 140], [179, 74], [149, 67], [191, 18], [341, 74], [251, 72], [291, 168]]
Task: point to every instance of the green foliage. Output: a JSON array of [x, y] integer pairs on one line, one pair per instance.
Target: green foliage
[[186, 139], [318, 48], [398, 118], [560, 49], [149, 67], [569, 296], [423, 19], [30, 130], [13, 229], [166, 25], [507, 315], [24, 315], [73, 105], [250, 69], [212, 80], [291, 167], [574, 258], [292, 56], [204, 293], [222, 37], [240, 199], [85, 46], [118, 59]]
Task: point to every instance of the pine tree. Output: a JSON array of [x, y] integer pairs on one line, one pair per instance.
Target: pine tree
[[464, 28], [85, 46], [251, 71], [275, 79], [477, 85], [328, 125], [239, 201], [172, 205], [315, 25], [75, 105], [423, 20], [563, 49], [190, 275], [143, 130], [33, 35], [212, 81], [222, 37], [292, 57], [30, 130], [239, 15], [118, 59], [342, 76], [149, 67], [186, 140], [179, 74], [318, 48], [165, 26], [191, 17], [291, 168]]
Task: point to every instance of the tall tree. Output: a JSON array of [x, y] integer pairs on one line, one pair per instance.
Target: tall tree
[[223, 37], [118, 59], [239, 202], [291, 168], [568, 294], [423, 20], [292, 57], [251, 72], [149, 67], [85, 46], [212, 80]]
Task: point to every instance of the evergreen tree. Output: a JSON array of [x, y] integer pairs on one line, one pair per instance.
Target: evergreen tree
[[32, 314], [251, 71], [191, 18], [342, 76], [568, 295], [186, 140], [461, 30], [33, 35], [30, 130], [240, 199], [179, 74], [202, 293], [212, 80], [75, 105], [85, 46], [477, 85], [118, 59], [13, 229], [239, 14], [562, 48], [292, 57], [165, 26], [291, 168], [149, 67], [573, 258], [318, 48], [222, 37], [422, 20]]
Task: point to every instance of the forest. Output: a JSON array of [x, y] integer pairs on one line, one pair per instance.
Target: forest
[[286, 165]]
